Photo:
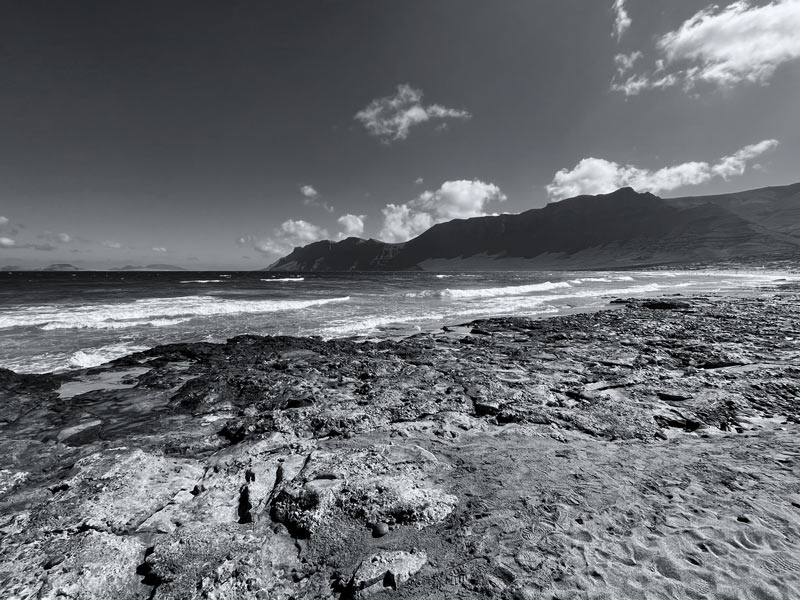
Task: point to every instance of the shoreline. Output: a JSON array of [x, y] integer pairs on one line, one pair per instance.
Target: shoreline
[[648, 450], [95, 342]]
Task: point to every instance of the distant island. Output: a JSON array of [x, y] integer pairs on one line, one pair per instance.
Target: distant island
[[61, 267], [623, 229], [157, 267], [69, 267]]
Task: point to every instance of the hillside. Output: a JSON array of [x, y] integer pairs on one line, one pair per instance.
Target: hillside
[[616, 230]]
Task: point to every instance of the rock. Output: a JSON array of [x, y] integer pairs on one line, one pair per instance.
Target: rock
[[375, 484], [486, 407], [77, 433], [665, 304], [386, 570], [225, 560], [9, 479], [54, 560], [380, 529], [97, 565], [117, 490], [674, 396]]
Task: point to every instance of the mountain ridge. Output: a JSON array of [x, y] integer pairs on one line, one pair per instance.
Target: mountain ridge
[[622, 229]]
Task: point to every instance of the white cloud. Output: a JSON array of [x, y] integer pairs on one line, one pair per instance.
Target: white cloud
[[308, 191], [722, 48], [625, 62], [64, 238], [312, 198], [419, 181], [622, 21], [7, 242], [736, 164], [390, 118], [352, 225], [3, 221], [635, 84], [303, 231], [291, 233], [460, 199], [158, 249], [110, 244], [600, 176], [401, 223]]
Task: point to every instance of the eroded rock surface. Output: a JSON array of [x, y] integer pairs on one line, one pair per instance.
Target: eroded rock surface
[[650, 451]]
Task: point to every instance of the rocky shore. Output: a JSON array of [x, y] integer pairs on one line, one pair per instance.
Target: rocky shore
[[646, 451]]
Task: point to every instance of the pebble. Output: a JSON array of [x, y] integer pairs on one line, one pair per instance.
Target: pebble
[[380, 529]]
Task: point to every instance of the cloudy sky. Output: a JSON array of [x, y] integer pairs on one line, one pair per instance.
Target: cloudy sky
[[222, 134]]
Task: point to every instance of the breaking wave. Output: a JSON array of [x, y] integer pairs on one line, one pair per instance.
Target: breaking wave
[[509, 290], [285, 279], [84, 359], [50, 362], [156, 312], [202, 281], [610, 279]]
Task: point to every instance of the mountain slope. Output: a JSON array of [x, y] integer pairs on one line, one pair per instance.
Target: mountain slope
[[621, 229]]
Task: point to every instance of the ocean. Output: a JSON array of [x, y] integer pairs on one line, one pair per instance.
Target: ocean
[[61, 321]]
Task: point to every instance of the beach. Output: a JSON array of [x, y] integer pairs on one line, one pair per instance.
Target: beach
[[645, 451]]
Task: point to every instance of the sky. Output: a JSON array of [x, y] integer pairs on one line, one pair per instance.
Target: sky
[[220, 135]]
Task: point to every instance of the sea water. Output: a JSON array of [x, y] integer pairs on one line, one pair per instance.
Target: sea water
[[60, 321]]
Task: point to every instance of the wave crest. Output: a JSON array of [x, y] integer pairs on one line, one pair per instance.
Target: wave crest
[[155, 312], [509, 290]]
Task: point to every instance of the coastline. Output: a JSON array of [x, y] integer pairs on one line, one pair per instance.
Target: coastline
[[650, 450], [88, 321]]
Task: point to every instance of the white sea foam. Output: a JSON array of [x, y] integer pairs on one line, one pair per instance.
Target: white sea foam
[[82, 359], [155, 312], [509, 290], [285, 279], [635, 289], [354, 326], [375, 325], [202, 281], [110, 323], [609, 279], [592, 279]]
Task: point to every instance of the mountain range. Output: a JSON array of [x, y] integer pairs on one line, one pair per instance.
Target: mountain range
[[623, 229]]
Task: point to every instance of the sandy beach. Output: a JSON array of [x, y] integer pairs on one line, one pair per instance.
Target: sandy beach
[[650, 451]]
